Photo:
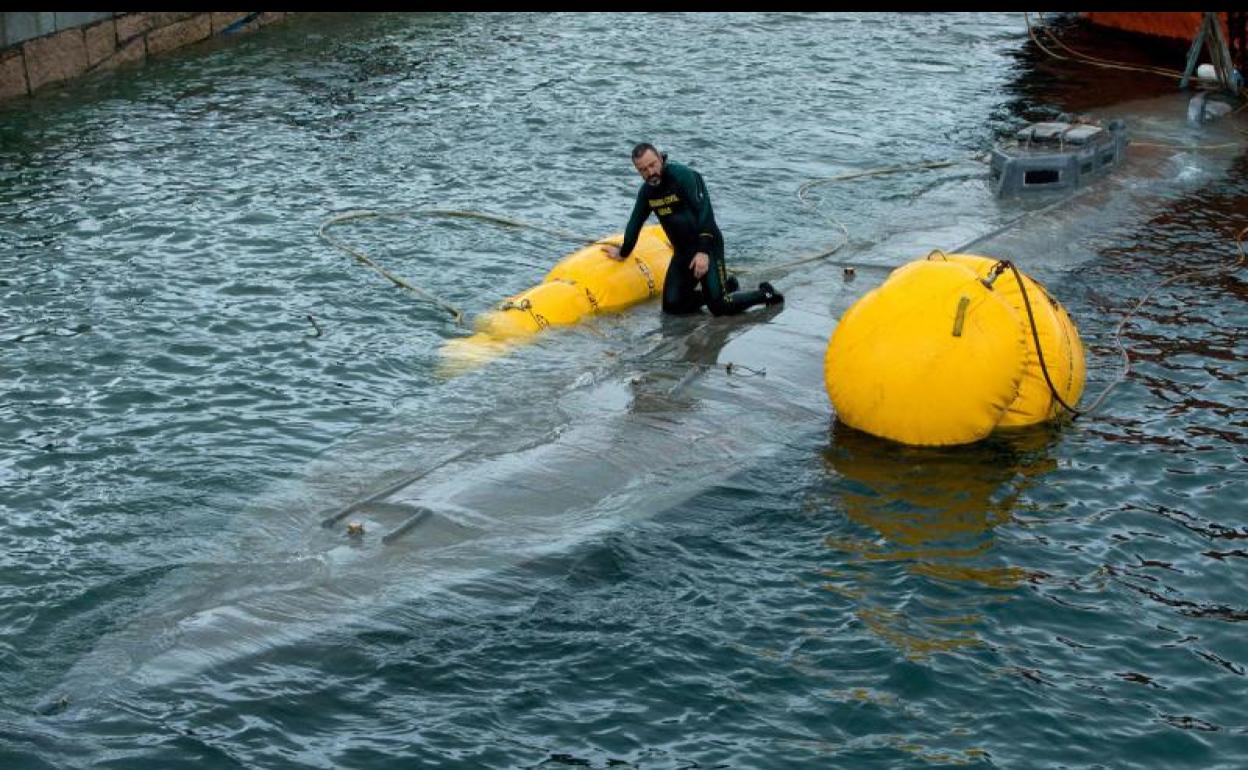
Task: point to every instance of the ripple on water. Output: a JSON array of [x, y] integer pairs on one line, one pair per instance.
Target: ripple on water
[[191, 376]]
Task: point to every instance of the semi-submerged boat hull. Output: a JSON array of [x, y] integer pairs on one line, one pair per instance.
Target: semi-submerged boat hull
[[574, 436]]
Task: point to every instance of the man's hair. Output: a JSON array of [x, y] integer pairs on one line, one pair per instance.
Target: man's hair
[[643, 148]]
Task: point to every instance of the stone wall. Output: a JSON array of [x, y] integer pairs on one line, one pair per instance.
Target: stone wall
[[45, 48]]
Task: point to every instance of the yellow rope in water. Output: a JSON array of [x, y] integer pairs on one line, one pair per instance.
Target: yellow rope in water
[[806, 187], [1126, 357], [881, 171], [780, 267], [458, 315], [360, 256], [1092, 59], [1196, 147]]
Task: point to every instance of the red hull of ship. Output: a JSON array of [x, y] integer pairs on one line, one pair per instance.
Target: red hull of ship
[[1177, 25]]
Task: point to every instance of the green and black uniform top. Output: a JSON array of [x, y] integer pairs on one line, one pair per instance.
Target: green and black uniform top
[[683, 207]]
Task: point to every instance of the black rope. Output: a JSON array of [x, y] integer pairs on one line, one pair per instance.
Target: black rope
[[1035, 337]]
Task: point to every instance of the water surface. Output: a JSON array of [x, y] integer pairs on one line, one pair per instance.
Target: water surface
[[670, 566]]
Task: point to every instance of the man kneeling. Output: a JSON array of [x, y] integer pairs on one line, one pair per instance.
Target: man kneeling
[[677, 195]]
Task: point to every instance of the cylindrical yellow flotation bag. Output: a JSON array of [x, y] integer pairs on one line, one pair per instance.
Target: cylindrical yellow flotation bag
[[615, 285], [944, 352], [553, 303], [581, 284]]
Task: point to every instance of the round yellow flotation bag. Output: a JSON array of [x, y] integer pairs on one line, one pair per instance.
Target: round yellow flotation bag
[[931, 357], [615, 285], [935, 356], [1059, 342]]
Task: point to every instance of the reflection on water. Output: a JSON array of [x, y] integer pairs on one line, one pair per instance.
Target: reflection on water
[[930, 513]]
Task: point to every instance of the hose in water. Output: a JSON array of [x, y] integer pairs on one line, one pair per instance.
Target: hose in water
[[428, 296], [1126, 357]]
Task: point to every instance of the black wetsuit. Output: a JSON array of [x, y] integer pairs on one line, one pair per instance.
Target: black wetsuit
[[683, 207]]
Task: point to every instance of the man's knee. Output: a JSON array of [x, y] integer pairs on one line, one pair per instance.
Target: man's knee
[[680, 305]]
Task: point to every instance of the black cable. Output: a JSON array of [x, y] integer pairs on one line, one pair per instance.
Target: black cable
[[1035, 337]]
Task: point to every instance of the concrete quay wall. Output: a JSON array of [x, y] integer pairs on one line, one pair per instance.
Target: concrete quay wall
[[41, 49]]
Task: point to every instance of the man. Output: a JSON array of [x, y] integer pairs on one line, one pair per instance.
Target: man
[[677, 195]]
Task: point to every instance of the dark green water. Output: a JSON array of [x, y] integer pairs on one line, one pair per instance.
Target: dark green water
[[787, 594]]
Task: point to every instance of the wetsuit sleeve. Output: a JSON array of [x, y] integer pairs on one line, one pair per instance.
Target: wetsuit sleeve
[[700, 201], [641, 210]]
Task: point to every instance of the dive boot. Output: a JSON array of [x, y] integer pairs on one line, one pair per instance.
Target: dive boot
[[770, 295]]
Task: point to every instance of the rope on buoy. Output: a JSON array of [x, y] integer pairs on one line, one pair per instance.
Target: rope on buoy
[[992, 276], [1035, 337], [1126, 359]]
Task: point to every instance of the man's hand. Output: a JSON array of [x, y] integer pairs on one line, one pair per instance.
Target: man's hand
[[701, 263], [612, 251]]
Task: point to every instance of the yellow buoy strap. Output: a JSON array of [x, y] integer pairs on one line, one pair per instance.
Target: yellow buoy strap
[[645, 272], [963, 303]]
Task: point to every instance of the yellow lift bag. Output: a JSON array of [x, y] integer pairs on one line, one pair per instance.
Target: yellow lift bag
[[934, 356], [583, 283]]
